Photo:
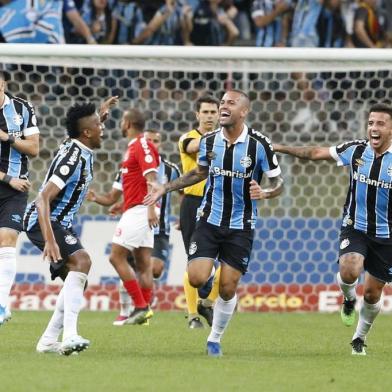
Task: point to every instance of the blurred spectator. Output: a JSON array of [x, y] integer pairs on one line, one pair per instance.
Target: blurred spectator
[[270, 19], [331, 25], [368, 31], [318, 23], [212, 26], [171, 25], [128, 22], [243, 19], [76, 29], [24, 21], [98, 17]]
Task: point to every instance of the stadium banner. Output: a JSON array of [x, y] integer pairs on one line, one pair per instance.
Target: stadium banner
[[293, 268]]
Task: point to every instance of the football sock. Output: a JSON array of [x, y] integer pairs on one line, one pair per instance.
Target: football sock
[[223, 311], [147, 294], [125, 300], [348, 289], [73, 301], [191, 297], [215, 287], [7, 273], [135, 292], [55, 324], [367, 315]]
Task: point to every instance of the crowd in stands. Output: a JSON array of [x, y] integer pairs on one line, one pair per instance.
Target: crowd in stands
[[264, 23]]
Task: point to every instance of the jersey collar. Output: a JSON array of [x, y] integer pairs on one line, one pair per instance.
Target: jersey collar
[[6, 101], [240, 139], [81, 145]]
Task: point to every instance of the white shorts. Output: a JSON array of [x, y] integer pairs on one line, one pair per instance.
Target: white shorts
[[132, 231]]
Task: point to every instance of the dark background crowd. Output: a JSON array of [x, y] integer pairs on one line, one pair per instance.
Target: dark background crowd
[[265, 23]]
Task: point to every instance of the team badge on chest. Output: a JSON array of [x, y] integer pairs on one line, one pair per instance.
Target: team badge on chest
[[246, 161]]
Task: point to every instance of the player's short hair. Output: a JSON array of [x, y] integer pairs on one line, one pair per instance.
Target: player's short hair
[[207, 98], [150, 130], [242, 93], [136, 118], [381, 108], [74, 114]]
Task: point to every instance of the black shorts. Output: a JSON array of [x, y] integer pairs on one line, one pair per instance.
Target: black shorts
[[188, 211], [161, 247], [232, 246], [11, 211], [67, 241], [376, 251]]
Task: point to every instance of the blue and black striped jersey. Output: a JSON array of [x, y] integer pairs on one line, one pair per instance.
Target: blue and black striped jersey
[[72, 171], [368, 206], [167, 171], [17, 118], [227, 201]]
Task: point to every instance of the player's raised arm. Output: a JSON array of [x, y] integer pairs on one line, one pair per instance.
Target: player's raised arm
[[106, 107], [312, 153]]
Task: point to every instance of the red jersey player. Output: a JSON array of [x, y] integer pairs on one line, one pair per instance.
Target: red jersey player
[[134, 231]]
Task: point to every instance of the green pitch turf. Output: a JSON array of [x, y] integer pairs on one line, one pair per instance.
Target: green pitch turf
[[262, 352]]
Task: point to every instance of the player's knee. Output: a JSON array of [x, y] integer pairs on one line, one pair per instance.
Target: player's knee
[[371, 296], [349, 273], [80, 262], [157, 269], [227, 290], [8, 238], [196, 281]]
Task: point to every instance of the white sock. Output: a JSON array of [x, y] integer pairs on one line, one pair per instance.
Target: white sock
[[55, 325], [367, 315], [125, 300], [73, 299], [223, 311], [348, 289], [7, 273]]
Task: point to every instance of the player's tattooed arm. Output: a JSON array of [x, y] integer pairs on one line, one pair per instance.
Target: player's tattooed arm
[[275, 189], [106, 107], [312, 153], [192, 177], [156, 190]]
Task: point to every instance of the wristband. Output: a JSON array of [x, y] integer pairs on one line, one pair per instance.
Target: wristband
[[7, 179], [11, 139]]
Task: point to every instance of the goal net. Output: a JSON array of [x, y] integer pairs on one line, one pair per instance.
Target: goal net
[[298, 97]]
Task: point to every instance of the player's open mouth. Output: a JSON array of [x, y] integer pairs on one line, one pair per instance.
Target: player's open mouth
[[375, 137], [224, 114]]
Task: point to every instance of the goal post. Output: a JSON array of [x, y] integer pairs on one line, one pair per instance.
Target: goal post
[[298, 97]]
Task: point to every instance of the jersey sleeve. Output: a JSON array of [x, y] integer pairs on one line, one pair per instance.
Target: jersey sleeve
[[147, 156], [343, 152], [66, 165], [202, 157], [268, 160], [175, 173], [29, 120], [117, 183]]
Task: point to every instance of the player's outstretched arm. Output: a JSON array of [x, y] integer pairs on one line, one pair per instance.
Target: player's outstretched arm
[[51, 249], [192, 177], [312, 153], [106, 107], [106, 199], [275, 189]]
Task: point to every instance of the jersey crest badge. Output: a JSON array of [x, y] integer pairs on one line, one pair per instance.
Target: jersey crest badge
[[246, 161], [17, 119]]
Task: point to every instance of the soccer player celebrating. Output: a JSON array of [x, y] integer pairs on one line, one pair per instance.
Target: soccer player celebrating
[[234, 158], [366, 232], [48, 225], [189, 143], [19, 139]]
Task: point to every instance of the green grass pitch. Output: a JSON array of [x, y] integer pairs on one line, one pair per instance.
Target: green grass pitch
[[262, 352]]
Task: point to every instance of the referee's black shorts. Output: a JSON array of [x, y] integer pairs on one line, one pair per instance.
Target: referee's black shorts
[[188, 211]]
